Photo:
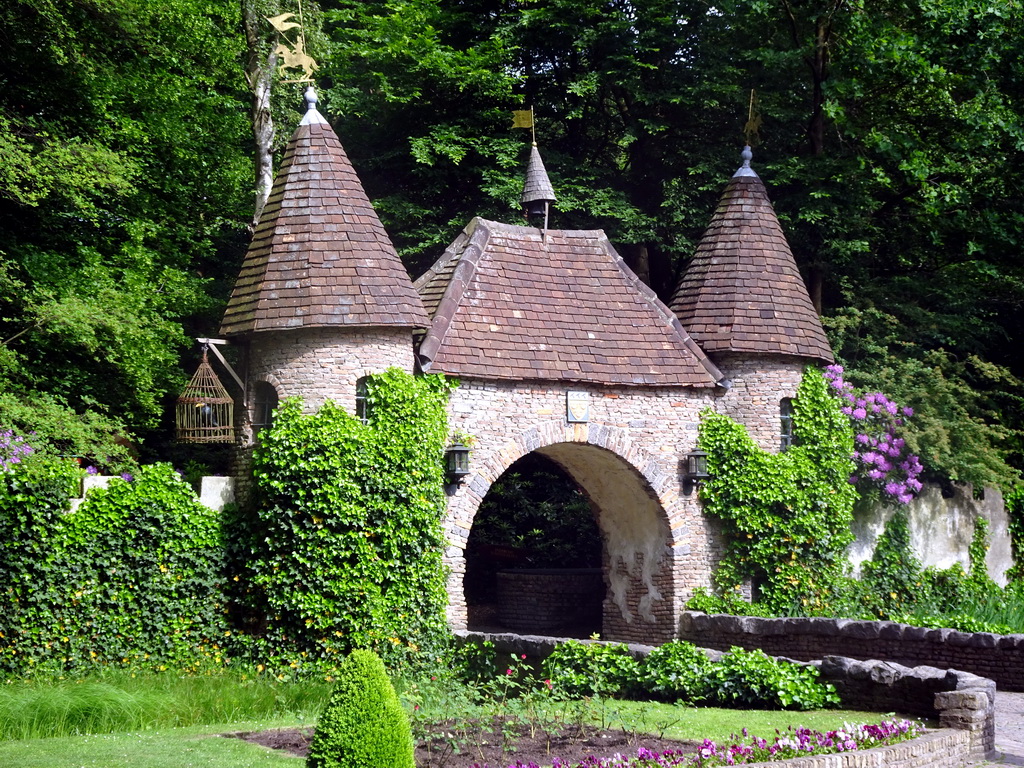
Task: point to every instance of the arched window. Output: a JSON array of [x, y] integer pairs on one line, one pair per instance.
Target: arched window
[[362, 408], [785, 423], [264, 402]]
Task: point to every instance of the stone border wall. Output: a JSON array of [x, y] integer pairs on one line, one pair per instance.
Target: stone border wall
[[997, 657], [963, 703]]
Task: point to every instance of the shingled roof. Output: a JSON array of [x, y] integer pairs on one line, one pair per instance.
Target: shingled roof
[[511, 302], [320, 256], [742, 291]]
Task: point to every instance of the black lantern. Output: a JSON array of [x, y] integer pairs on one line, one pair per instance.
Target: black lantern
[[695, 470], [458, 462]]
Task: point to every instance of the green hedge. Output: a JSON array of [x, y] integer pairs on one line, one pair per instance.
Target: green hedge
[[363, 725], [680, 671], [345, 549], [132, 577]]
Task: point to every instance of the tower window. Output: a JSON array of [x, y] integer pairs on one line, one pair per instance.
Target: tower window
[[265, 400], [785, 423], [362, 407]]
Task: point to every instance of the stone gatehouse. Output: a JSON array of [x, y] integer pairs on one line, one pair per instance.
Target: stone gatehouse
[[559, 348]]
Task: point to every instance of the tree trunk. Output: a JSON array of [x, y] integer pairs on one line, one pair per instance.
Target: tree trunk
[[259, 72]]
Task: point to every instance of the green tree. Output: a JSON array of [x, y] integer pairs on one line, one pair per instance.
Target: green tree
[[121, 200]]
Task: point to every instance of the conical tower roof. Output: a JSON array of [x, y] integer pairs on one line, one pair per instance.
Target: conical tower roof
[[538, 185], [320, 256], [742, 292]]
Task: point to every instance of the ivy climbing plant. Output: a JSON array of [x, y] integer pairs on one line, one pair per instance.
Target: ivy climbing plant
[[346, 547], [785, 517]]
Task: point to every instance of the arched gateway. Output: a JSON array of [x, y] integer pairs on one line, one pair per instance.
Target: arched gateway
[[558, 347], [654, 538]]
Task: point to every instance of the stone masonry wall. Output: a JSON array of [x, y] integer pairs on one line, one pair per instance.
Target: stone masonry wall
[[759, 384], [658, 547], [324, 363], [549, 598], [316, 364], [997, 657]]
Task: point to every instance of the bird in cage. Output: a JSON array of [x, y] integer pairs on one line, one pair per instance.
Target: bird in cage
[[207, 415]]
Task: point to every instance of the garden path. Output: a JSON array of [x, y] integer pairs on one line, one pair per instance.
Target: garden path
[[1009, 728]]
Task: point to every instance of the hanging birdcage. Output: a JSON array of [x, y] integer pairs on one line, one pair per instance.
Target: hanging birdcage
[[205, 412]]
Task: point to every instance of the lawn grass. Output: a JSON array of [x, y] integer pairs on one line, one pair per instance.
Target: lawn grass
[[679, 721], [122, 701], [192, 747], [200, 746], [163, 721]]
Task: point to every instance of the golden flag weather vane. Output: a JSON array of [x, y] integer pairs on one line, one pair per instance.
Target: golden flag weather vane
[[523, 118], [293, 55], [752, 128]]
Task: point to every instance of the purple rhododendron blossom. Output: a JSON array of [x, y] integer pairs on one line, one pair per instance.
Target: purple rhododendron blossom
[[876, 418]]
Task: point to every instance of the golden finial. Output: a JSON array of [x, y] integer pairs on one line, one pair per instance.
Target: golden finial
[[293, 55], [753, 125]]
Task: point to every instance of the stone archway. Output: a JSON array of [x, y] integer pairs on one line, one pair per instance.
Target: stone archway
[[534, 555], [634, 497]]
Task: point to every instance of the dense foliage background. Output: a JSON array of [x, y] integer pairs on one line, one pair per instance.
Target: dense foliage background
[[889, 138]]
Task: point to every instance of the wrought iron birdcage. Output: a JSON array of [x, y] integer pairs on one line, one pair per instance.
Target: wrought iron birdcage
[[205, 412]]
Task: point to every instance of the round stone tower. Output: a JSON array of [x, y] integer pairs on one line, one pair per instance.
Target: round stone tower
[[322, 298], [744, 302]]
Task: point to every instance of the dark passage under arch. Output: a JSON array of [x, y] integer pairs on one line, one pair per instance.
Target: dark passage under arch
[[534, 555]]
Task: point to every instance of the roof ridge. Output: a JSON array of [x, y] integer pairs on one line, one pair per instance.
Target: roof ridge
[[468, 248]]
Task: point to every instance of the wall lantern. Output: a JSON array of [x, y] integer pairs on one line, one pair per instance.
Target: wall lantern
[[695, 470], [457, 457]]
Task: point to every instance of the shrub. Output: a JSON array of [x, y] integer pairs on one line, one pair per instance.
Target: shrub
[[363, 725], [675, 670], [345, 550], [133, 576], [591, 669], [476, 663], [754, 679]]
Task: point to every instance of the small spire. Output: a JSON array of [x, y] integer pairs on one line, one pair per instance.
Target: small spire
[[538, 194], [312, 115], [745, 169]]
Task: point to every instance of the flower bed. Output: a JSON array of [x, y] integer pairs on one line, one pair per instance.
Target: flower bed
[[892, 744]]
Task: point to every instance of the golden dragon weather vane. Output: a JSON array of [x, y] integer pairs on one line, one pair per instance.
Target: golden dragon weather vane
[[293, 55]]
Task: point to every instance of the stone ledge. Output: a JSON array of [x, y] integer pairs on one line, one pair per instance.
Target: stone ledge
[[997, 657]]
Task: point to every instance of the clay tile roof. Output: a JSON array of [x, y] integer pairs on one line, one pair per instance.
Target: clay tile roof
[[512, 302], [742, 292], [320, 256]]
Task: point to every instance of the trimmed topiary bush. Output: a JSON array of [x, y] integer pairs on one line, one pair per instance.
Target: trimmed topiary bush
[[363, 725]]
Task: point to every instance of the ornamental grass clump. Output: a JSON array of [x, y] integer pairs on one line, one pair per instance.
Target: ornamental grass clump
[[363, 725]]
